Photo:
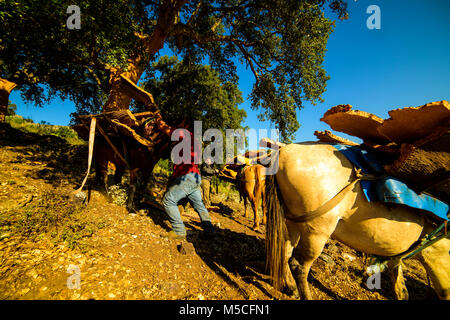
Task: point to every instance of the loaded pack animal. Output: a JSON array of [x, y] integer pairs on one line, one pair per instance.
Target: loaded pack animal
[[250, 182], [141, 159], [141, 162], [127, 142], [314, 196]]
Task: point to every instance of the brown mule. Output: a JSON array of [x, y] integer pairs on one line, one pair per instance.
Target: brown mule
[[251, 187], [141, 160], [250, 182]]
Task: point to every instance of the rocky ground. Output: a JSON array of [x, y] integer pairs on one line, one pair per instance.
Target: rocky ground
[[54, 248]]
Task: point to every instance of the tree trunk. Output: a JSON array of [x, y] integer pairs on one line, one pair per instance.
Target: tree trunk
[[117, 99], [5, 89], [168, 17]]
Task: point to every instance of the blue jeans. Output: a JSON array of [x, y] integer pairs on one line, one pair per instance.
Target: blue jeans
[[187, 186]]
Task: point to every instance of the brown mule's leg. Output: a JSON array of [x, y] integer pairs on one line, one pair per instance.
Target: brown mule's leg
[[118, 174], [132, 191], [101, 173], [141, 185], [245, 206], [254, 206], [263, 205], [244, 194], [254, 203]]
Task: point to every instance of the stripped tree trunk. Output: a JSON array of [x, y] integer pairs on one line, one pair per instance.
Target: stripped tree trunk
[[168, 17], [5, 89]]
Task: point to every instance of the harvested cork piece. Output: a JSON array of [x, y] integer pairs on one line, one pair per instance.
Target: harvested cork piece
[[413, 123], [426, 164], [327, 136], [356, 123]]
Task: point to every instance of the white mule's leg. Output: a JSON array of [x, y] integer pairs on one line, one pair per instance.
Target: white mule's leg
[[436, 260], [289, 283], [396, 269], [307, 251]]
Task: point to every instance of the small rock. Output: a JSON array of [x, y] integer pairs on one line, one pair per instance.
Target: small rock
[[75, 295], [24, 291], [79, 197], [111, 295], [5, 235], [186, 248], [348, 256], [32, 274], [327, 259]]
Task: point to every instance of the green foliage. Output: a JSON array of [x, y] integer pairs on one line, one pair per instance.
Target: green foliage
[[282, 42], [46, 59], [67, 133], [11, 109], [191, 92], [163, 168]]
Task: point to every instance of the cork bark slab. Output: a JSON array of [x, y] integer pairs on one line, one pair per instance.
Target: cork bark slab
[[356, 123], [407, 125], [426, 164], [328, 137]]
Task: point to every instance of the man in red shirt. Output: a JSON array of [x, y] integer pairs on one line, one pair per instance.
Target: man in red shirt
[[184, 183]]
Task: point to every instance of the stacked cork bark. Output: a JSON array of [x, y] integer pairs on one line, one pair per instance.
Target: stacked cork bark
[[414, 140]]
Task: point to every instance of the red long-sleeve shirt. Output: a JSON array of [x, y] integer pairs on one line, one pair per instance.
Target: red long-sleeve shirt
[[185, 168]]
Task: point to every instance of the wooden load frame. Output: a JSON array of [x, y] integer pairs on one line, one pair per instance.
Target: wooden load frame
[[122, 124]]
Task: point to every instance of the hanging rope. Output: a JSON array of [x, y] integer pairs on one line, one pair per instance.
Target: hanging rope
[[91, 151]]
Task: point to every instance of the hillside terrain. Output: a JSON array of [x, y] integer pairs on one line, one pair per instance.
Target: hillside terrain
[[45, 235]]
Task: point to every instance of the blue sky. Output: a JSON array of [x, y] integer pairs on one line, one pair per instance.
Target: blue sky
[[405, 63]]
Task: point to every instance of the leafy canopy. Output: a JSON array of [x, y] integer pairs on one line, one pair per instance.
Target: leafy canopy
[[46, 59], [194, 92], [282, 42], [12, 108]]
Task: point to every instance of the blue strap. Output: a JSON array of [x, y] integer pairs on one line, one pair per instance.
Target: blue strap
[[389, 189]]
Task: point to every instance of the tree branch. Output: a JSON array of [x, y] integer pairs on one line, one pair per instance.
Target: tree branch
[[97, 79], [249, 60], [197, 9], [185, 30]]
